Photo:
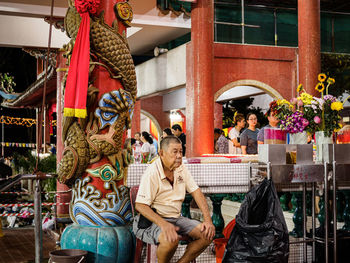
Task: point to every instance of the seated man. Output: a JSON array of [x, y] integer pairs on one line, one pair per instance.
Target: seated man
[[161, 193]]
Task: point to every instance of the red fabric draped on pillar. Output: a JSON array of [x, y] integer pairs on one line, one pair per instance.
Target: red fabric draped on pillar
[[78, 74]]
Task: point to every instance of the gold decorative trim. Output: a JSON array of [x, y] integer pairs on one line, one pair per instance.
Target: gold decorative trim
[[124, 12]]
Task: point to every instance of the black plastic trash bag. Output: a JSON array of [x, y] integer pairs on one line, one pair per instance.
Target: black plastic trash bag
[[260, 233]]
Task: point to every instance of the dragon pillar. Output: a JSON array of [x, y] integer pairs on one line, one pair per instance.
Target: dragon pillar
[[95, 161]]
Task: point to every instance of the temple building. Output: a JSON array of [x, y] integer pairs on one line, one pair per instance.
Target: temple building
[[188, 55]]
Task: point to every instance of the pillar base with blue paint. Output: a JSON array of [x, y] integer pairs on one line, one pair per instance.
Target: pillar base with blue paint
[[105, 244]]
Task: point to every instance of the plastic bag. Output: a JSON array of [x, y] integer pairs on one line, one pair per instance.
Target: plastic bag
[[260, 233]]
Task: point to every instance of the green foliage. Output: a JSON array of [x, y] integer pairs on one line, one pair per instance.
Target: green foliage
[[337, 66], [24, 163], [7, 82], [241, 106], [27, 163]]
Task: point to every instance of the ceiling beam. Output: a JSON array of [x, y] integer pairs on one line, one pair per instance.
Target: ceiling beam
[[18, 31]]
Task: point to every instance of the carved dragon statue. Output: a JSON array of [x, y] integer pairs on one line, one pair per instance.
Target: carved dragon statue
[[93, 159]]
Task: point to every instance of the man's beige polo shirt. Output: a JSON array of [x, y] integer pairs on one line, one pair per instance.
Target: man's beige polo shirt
[[157, 192]]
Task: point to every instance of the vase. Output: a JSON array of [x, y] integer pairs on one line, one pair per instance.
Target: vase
[[322, 156], [298, 138], [105, 244], [343, 136], [274, 136]]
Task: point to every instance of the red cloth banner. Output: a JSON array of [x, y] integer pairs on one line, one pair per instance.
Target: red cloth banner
[[78, 74]]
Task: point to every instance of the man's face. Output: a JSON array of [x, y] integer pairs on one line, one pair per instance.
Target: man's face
[[137, 136], [177, 133], [171, 156], [273, 121]]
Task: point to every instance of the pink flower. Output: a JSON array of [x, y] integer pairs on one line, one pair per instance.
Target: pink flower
[[305, 122], [294, 101], [317, 119], [300, 103]]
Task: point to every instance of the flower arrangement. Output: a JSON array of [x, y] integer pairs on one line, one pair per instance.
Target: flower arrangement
[[308, 113]]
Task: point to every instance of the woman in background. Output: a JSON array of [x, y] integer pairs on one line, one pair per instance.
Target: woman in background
[[234, 134], [166, 132], [249, 142], [148, 151]]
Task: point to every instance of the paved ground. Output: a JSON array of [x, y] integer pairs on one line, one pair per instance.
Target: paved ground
[[18, 245]]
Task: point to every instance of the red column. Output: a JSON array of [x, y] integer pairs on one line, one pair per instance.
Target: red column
[[217, 115], [103, 81], [199, 90], [62, 195], [136, 119], [309, 43]]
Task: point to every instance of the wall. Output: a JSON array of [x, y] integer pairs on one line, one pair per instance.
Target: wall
[[274, 66], [162, 73], [154, 106]]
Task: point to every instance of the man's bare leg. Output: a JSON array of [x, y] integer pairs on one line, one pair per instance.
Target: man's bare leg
[[165, 250], [195, 247]]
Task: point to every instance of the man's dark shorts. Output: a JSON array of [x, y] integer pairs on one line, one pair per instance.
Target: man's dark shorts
[[151, 234]]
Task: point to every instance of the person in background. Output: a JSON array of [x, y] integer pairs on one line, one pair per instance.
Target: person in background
[[53, 149], [249, 144], [137, 137], [148, 151], [161, 192], [234, 134], [221, 143], [273, 122], [132, 145], [137, 148], [177, 131], [166, 132]]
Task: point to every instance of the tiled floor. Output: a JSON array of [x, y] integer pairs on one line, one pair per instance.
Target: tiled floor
[[18, 245]]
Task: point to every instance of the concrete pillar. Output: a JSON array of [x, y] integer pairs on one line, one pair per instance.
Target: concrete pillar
[[199, 86], [136, 119], [217, 115], [309, 44], [63, 196]]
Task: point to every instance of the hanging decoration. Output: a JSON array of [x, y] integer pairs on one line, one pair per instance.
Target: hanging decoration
[[28, 122], [18, 144], [78, 73]]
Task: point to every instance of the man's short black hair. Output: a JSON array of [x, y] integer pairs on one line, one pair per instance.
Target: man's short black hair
[[268, 113], [177, 127], [164, 143]]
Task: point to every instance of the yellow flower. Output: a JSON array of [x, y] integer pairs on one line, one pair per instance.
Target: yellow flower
[[330, 81], [337, 106], [338, 129], [305, 98], [322, 77], [319, 87], [300, 87], [281, 102]]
